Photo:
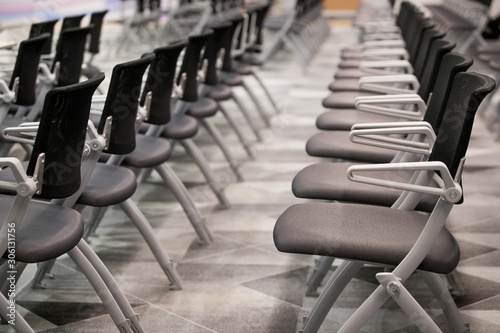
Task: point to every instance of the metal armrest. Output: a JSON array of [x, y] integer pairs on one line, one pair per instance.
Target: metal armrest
[[451, 190], [372, 104], [384, 52], [99, 98], [379, 83], [391, 124], [381, 66], [25, 133], [24, 186], [384, 138], [373, 44]]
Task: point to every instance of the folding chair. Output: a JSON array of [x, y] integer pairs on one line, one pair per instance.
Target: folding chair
[[45, 231], [394, 237]]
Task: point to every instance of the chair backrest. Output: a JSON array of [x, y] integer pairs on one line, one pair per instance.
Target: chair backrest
[[189, 66], [26, 69], [61, 136], [236, 21], [37, 29], [467, 92], [122, 104], [96, 20], [259, 23], [214, 46], [69, 55], [69, 22], [451, 64], [160, 82]]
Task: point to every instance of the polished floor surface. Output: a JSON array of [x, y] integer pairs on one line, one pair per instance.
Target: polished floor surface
[[240, 282]]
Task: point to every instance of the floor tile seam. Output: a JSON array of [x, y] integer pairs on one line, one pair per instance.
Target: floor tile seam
[[479, 222], [284, 270], [478, 302], [183, 261], [153, 305]]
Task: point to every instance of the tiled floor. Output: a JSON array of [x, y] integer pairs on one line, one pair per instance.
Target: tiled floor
[[240, 282]]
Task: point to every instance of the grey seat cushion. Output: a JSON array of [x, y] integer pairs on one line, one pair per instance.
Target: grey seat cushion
[[349, 63], [149, 152], [202, 108], [232, 79], [334, 144], [109, 185], [244, 68], [344, 99], [351, 84], [220, 92], [328, 181], [46, 231], [343, 119], [361, 232], [180, 127], [351, 73]]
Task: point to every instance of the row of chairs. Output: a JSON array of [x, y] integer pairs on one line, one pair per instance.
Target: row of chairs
[[133, 127], [412, 150]]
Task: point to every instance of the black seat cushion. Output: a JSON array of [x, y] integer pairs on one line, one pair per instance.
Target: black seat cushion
[[344, 99], [242, 68], [232, 79], [343, 119], [180, 127], [220, 92], [328, 181], [202, 108], [335, 144], [361, 232], [46, 231], [109, 185], [149, 152]]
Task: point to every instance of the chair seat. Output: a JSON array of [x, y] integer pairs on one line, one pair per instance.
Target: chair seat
[[349, 63], [344, 85], [220, 92], [494, 62], [344, 73], [352, 231], [343, 119], [232, 79], [202, 108], [328, 181], [61, 230], [344, 99], [253, 59], [109, 185], [335, 144], [180, 127], [149, 152], [242, 68]]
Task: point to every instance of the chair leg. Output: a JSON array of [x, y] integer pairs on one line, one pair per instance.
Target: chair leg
[[202, 163], [93, 222], [266, 91], [320, 270], [10, 314], [340, 278], [249, 119], [442, 295], [110, 282], [243, 140], [101, 289], [215, 133], [43, 271], [258, 105], [153, 242], [182, 194]]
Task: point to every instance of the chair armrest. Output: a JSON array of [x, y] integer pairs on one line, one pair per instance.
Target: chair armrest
[[384, 138], [374, 44], [451, 190], [376, 83], [390, 124], [384, 52], [7, 95], [372, 104], [24, 186], [382, 36], [25, 133], [382, 66]]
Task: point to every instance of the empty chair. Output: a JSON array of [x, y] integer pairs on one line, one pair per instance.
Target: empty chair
[[45, 231], [394, 237]]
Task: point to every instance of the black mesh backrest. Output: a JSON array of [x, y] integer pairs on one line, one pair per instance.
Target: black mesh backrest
[[96, 20], [259, 23], [214, 45], [422, 59], [160, 82], [122, 103], [467, 92], [438, 48], [69, 22], [451, 65], [61, 136], [69, 55], [414, 45], [236, 20], [37, 29], [26, 69], [190, 65]]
